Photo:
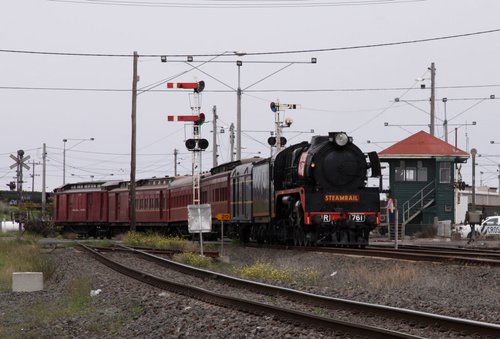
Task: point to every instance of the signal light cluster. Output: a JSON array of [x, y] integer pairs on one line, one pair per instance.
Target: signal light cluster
[[193, 144]]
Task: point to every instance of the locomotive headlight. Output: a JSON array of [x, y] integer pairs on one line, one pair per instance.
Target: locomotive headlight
[[341, 139]]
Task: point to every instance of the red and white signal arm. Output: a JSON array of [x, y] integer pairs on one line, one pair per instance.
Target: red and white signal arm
[[185, 85], [182, 118], [196, 86]]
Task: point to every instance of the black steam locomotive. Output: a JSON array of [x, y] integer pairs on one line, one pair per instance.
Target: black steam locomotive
[[308, 194]]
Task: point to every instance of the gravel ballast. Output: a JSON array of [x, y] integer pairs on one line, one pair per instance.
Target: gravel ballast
[[125, 308]]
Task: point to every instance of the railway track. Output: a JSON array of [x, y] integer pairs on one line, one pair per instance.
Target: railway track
[[385, 313], [444, 255]]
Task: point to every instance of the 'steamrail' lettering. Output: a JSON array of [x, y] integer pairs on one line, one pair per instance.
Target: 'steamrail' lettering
[[342, 198]]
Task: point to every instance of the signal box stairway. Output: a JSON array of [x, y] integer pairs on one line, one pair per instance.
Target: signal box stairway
[[413, 207]]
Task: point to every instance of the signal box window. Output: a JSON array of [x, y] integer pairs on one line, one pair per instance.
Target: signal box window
[[406, 173], [444, 172], [410, 174], [421, 172], [400, 171]]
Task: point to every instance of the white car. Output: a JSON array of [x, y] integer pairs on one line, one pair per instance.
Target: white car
[[489, 226]]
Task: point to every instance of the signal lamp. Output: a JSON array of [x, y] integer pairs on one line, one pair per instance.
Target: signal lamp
[[271, 141], [190, 144], [201, 119], [163, 58], [274, 107], [283, 141], [203, 143], [201, 87]]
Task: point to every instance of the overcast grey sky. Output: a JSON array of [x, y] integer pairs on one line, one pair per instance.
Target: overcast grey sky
[[45, 98]]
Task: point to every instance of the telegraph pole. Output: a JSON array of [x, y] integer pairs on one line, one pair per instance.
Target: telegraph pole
[[231, 140], [473, 152], [33, 163], [44, 173], [133, 145], [175, 161], [433, 97], [214, 137]]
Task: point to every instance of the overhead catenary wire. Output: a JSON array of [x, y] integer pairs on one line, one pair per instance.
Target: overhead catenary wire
[[238, 4], [264, 90], [298, 51]]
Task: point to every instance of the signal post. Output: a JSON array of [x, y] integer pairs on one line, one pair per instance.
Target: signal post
[[278, 140], [196, 144]]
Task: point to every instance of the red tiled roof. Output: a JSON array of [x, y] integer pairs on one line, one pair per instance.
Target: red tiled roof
[[422, 145]]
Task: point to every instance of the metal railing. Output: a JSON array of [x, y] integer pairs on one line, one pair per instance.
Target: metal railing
[[418, 202]]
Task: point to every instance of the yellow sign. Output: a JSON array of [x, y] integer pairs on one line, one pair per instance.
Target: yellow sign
[[223, 216], [342, 198]]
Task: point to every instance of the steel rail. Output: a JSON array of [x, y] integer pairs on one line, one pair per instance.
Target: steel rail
[[248, 306], [429, 319], [418, 256]]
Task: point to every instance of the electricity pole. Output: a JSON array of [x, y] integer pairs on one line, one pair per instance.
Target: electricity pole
[[44, 194], [175, 161], [231, 140], [133, 144], [433, 97], [214, 137]]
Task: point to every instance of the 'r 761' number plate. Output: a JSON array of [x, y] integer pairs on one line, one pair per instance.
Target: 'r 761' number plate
[[357, 217]]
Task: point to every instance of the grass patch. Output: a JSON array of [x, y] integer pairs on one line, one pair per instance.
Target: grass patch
[[265, 271], [159, 241], [78, 297], [22, 256], [9, 234], [193, 259], [383, 278], [76, 301]]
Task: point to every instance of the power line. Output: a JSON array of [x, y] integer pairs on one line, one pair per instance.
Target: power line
[[268, 90], [240, 4], [299, 51]]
